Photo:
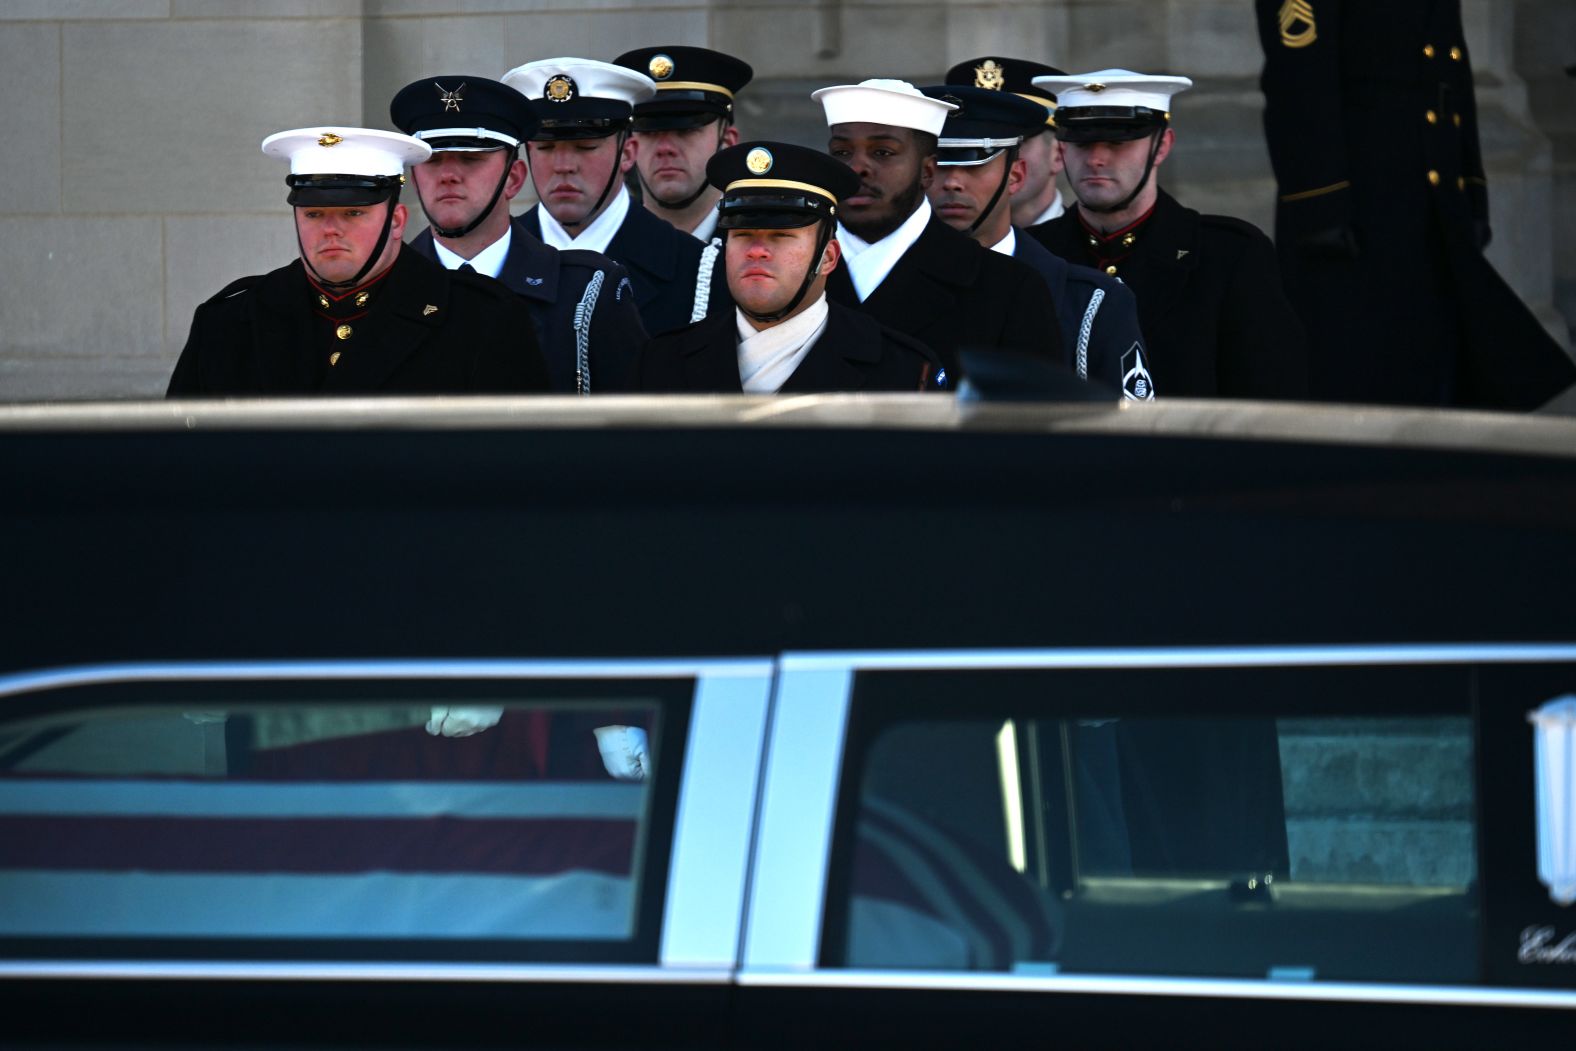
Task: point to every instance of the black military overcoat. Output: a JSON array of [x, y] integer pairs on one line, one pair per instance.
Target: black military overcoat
[[426, 331], [1210, 303]]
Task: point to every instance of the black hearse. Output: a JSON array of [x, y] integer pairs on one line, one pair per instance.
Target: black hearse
[[785, 722]]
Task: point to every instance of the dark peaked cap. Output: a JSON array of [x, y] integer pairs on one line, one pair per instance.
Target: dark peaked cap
[[1014, 75], [984, 123], [695, 85], [776, 185], [462, 112]]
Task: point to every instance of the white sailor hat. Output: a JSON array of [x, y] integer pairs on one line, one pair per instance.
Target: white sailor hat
[[1111, 104], [580, 98], [895, 103], [340, 167]]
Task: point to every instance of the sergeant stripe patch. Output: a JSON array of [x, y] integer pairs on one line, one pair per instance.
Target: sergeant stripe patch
[[1297, 25]]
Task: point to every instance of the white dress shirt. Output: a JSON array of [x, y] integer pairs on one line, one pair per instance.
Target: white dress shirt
[[488, 261]]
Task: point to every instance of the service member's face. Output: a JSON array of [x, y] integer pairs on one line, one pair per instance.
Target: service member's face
[[959, 192], [1042, 159], [892, 171], [673, 162], [337, 241], [570, 175], [1103, 173], [455, 186], [766, 267]]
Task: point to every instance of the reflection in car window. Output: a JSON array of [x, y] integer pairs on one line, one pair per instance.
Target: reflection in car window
[[473, 817], [1323, 846]]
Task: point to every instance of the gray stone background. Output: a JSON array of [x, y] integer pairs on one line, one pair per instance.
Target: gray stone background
[[132, 187]]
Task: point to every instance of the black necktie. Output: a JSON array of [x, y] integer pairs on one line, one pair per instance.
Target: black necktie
[[466, 268]]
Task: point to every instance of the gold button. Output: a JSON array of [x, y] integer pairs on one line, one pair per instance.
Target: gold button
[[1455, 54], [1456, 117], [1111, 270], [322, 301], [1461, 182], [1430, 116], [362, 297], [1127, 241], [343, 331], [1433, 180], [1428, 50], [333, 359]]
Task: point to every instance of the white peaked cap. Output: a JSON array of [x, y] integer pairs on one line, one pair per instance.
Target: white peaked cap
[[895, 103], [592, 79], [1114, 87], [346, 151]]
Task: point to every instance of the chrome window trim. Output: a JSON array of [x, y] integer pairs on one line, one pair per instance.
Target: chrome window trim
[[804, 758], [1180, 657], [228, 970], [1211, 988], [36, 680], [715, 821]]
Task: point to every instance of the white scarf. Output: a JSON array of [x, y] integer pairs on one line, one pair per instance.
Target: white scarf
[[869, 264], [767, 357], [593, 238]]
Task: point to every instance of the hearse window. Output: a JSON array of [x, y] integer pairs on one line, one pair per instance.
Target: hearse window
[[491, 820], [1300, 823]]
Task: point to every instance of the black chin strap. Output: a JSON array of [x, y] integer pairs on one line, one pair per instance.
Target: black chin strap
[[810, 273], [1006, 170], [372, 258], [1149, 167], [611, 179], [460, 231]]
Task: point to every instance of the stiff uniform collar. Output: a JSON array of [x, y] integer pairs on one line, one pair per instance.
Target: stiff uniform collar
[[595, 237], [340, 307], [1052, 211], [869, 264], [488, 261], [1110, 250], [708, 226], [1007, 245]]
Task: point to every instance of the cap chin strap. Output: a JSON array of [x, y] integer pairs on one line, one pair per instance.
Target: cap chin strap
[[1006, 170], [827, 226], [372, 258], [1149, 167], [453, 232], [612, 178]]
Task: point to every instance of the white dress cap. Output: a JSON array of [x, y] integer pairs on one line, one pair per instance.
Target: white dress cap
[[895, 103], [1114, 87], [591, 79], [346, 151]]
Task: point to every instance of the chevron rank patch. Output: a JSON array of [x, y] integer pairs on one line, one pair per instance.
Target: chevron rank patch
[[1297, 25]]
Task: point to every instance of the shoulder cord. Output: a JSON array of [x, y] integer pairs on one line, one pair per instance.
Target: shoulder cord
[[708, 258], [1084, 330], [583, 312]]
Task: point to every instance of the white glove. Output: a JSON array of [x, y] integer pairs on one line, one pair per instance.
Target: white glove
[[462, 722], [623, 751]]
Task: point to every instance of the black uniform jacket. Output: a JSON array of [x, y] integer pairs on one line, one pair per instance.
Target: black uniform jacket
[[855, 353], [1113, 348], [952, 294], [426, 331], [1210, 303], [554, 284], [1382, 214], [663, 265]]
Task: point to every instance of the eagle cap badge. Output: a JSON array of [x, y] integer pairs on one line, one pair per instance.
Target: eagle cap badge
[[661, 67], [560, 88], [329, 139], [759, 160], [989, 75]]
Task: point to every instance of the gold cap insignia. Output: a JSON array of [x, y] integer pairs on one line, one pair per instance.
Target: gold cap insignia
[[329, 139], [1094, 88], [560, 89], [661, 67], [1297, 27], [759, 160], [451, 99], [989, 75]]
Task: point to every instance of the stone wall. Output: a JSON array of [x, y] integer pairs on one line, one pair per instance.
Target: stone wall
[[134, 187]]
